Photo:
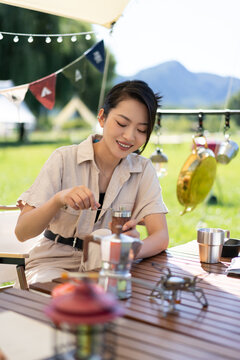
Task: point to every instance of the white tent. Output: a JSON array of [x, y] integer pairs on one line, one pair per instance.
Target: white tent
[[75, 105], [10, 114], [101, 12]]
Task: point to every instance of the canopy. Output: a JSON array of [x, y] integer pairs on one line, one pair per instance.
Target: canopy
[[101, 12]]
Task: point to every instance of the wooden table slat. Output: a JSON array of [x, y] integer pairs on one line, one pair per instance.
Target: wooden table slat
[[158, 334], [148, 333]]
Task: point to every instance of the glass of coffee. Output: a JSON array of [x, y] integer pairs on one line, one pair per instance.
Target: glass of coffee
[[119, 218]]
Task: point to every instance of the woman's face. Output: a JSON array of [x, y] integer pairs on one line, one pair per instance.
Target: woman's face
[[125, 128]]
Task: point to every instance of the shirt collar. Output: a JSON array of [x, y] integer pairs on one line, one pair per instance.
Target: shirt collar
[[85, 149]]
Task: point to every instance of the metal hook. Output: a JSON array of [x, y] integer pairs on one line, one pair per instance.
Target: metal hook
[[227, 122], [158, 126], [200, 129]]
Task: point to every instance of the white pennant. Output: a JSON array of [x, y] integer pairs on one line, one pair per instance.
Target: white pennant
[[78, 75], [45, 92], [16, 94]]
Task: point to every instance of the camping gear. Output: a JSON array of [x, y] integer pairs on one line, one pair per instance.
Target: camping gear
[[104, 13], [231, 248], [118, 252], [196, 176], [82, 322], [158, 158], [210, 243], [227, 150]]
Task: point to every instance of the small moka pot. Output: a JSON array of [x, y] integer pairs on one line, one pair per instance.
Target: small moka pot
[[117, 252]]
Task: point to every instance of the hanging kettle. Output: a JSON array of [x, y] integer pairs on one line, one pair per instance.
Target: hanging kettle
[[196, 176]]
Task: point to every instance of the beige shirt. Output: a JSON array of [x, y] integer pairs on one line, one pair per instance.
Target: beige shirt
[[134, 185]]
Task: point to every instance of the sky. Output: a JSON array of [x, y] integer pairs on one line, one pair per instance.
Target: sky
[[203, 35]]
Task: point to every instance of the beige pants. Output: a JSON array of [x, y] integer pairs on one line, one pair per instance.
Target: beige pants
[[48, 260]]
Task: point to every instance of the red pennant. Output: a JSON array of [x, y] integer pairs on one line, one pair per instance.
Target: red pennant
[[44, 90]]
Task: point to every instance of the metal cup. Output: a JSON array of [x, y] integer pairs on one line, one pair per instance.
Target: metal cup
[[210, 243], [227, 150]]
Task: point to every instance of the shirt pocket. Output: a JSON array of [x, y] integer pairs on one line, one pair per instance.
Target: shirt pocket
[[70, 211]]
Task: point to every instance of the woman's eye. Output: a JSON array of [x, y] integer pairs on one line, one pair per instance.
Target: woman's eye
[[142, 131], [122, 125]]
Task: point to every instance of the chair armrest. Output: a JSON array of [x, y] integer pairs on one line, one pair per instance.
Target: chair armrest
[[15, 259], [12, 255], [9, 207]]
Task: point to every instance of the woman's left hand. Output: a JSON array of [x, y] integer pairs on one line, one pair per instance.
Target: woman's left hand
[[129, 228]]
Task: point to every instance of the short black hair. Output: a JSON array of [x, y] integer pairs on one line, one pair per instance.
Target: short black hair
[[135, 89]]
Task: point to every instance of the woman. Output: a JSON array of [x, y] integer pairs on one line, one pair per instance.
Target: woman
[[103, 171]]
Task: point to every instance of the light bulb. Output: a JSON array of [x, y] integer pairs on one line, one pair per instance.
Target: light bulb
[[59, 39], [48, 40], [74, 38], [1, 36], [88, 37], [16, 39], [30, 39]]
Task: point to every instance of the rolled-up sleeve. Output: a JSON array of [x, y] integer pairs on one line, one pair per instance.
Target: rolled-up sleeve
[[47, 183], [149, 196]]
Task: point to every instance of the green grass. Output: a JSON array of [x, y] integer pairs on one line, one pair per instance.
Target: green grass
[[21, 164]]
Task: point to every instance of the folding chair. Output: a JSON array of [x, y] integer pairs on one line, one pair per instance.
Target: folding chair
[[12, 251]]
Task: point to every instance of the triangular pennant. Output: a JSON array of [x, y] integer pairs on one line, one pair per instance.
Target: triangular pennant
[[96, 55], [16, 94], [78, 75], [74, 72], [44, 90]]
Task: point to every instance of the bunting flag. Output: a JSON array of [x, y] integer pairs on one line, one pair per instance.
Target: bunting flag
[[44, 90], [74, 72], [15, 94], [96, 55]]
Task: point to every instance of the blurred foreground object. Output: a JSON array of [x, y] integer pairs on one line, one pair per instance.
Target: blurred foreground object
[[82, 319]]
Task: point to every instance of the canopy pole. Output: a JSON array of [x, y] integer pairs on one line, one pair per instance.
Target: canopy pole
[[105, 73]]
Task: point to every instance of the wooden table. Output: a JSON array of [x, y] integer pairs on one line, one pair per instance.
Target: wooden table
[[145, 332]]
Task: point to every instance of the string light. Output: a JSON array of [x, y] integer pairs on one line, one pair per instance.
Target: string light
[[74, 38], [48, 37]]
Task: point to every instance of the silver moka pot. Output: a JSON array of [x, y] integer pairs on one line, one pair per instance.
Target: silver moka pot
[[117, 253]]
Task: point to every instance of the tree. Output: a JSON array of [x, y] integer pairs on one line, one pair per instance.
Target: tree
[[234, 103], [25, 62]]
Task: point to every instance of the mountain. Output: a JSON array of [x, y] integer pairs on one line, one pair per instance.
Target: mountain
[[183, 88]]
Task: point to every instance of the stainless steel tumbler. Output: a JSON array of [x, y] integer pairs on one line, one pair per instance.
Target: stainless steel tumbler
[[210, 241]]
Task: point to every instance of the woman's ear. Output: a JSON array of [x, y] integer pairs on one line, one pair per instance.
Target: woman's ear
[[101, 117]]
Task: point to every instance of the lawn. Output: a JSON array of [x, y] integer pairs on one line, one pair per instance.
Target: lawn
[[21, 164]]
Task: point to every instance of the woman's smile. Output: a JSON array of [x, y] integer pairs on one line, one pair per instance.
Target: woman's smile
[[123, 146]]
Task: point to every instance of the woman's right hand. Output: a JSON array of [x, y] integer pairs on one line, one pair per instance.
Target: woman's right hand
[[78, 197]]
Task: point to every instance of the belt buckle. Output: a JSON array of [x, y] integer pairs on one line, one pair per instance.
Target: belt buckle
[[56, 238], [75, 241]]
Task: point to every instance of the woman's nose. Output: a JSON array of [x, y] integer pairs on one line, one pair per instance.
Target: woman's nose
[[129, 134]]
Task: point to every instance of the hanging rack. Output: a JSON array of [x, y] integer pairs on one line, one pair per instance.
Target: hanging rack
[[197, 111]]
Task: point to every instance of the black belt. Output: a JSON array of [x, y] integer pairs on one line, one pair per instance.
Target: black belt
[[74, 242]]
